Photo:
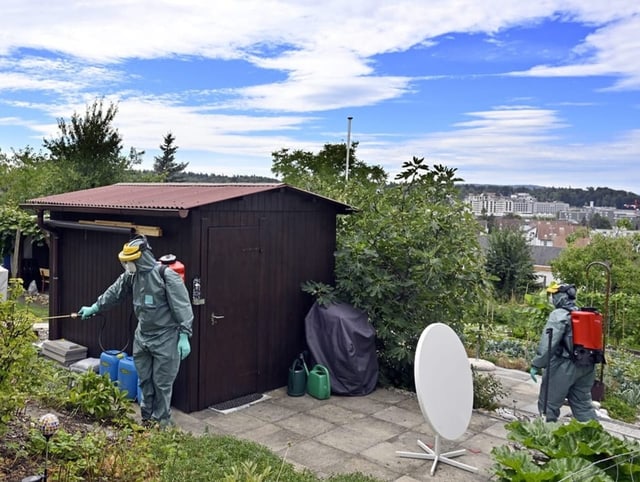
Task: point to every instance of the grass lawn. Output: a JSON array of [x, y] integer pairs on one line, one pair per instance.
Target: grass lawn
[[37, 305]]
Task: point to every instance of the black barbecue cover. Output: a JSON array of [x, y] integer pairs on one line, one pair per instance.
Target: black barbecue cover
[[341, 338]]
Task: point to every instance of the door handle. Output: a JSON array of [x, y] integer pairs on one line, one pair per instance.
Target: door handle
[[214, 319]]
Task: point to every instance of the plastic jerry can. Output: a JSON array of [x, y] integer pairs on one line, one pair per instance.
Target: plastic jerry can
[[128, 377], [318, 384], [109, 361], [297, 385]]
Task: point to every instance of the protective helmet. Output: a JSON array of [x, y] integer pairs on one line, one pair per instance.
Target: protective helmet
[[132, 250], [570, 290]]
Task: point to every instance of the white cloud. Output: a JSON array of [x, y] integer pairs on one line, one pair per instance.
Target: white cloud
[[501, 143], [325, 57], [612, 50]]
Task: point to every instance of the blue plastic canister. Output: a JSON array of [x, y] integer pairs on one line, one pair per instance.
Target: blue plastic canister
[[109, 363], [128, 377]]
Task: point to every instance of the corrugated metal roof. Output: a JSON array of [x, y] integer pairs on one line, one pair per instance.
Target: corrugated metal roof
[[158, 196]]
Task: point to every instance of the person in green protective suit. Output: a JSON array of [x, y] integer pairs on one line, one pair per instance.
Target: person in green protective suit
[[161, 304], [566, 378]]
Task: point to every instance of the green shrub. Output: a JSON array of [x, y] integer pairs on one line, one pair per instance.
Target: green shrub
[[17, 352], [98, 397], [487, 390]]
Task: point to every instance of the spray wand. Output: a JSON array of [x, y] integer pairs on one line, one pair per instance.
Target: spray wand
[[70, 315]]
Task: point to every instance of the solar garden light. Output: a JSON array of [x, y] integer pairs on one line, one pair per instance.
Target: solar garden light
[[48, 425]]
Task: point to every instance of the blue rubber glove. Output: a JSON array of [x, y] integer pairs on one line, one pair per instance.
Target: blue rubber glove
[[88, 311], [183, 346], [533, 372]]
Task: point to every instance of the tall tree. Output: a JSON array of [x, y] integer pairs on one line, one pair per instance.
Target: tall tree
[[89, 148], [166, 165], [509, 261], [305, 169]]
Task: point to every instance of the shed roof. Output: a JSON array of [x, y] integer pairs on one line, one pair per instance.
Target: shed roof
[[160, 197]]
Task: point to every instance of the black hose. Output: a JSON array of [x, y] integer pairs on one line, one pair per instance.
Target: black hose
[[104, 323]]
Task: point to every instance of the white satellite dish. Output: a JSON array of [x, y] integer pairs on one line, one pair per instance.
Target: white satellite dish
[[444, 385]]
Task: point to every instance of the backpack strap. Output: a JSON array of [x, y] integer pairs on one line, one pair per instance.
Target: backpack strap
[[162, 269]]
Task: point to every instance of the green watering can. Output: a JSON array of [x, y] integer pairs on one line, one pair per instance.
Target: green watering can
[[298, 372], [318, 384]]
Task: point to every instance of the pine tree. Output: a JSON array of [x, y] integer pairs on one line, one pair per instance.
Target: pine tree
[[166, 165]]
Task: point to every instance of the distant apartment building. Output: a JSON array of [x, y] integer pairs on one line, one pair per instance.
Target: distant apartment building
[[520, 204], [585, 213]]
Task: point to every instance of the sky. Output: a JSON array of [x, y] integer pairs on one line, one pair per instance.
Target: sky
[[507, 92]]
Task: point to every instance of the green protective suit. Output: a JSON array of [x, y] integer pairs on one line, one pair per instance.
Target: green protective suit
[[163, 309], [566, 379]]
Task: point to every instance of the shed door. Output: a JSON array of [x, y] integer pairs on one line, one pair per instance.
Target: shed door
[[229, 348]]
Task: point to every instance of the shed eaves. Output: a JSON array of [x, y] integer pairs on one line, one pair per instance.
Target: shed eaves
[[159, 196]]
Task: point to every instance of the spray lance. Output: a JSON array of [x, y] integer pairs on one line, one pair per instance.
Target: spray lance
[[70, 315]]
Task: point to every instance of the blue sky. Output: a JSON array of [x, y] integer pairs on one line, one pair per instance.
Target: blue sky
[[506, 92]]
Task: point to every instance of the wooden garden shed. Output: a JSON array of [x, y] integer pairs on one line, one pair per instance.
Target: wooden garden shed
[[251, 246]]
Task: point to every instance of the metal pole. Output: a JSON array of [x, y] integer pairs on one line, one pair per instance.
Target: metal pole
[[605, 328], [346, 172]]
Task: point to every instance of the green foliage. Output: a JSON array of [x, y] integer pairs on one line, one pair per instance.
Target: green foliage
[[624, 224], [525, 321], [128, 454], [622, 381], [563, 451], [623, 316], [327, 169], [98, 397], [13, 218], [409, 257], [89, 149], [510, 348], [619, 408], [26, 175], [166, 165], [17, 352], [183, 456], [621, 253], [52, 383], [324, 294], [247, 472], [598, 221], [509, 260], [95, 455], [487, 390]]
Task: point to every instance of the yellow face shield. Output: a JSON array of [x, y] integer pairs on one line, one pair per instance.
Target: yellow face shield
[[130, 253], [553, 288]]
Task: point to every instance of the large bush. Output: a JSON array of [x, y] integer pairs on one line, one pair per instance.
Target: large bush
[[410, 257]]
